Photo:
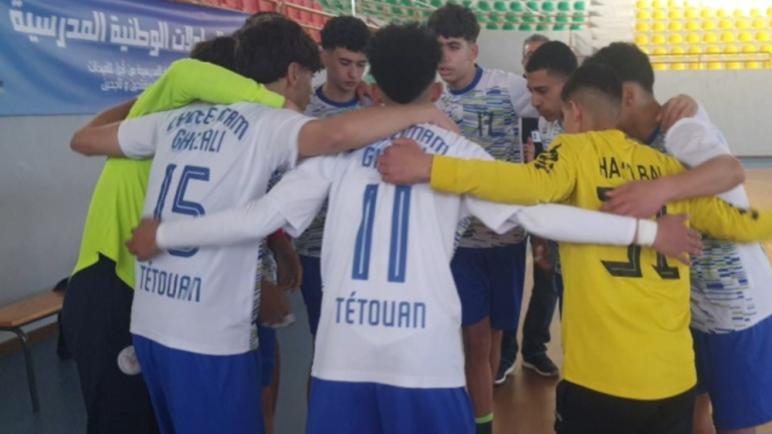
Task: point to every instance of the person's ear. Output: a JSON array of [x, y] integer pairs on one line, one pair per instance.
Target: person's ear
[[628, 95], [293, 74], [475, 50]]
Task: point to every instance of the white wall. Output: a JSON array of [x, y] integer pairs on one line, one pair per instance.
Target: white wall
[[44, 194], [739, 102]]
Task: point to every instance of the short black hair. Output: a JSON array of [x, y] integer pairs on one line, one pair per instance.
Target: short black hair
[[554, 56], [628, 61], [261, 16], [596, 78], [403, 60], [454, 21], [264, 50], [346, 32], [221, 51]]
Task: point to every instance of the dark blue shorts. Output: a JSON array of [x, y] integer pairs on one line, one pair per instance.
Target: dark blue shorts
[[311, 287], [358, 408], [267, 351], [736, 370], [490, 283], [196, 393]]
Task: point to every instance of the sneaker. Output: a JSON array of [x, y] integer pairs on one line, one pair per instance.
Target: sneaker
[[542, 365], [505, 368]]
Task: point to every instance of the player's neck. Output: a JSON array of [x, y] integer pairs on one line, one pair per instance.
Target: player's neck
[[646, 121], [336, 94], [463, 82]]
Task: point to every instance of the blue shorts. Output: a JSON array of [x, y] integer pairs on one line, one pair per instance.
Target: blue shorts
[[196, 393], [490, 283], [736, 370], [267, 351], [356, 408], [311, 287]]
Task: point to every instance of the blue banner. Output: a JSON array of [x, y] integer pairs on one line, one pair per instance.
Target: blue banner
[[78, 57]]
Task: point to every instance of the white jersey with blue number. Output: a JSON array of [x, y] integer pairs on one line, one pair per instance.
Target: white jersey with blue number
[[390, 312], [207, 158], [731, 283], [488, 111], [310, 243]]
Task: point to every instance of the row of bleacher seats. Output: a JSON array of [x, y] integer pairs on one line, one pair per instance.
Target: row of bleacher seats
[[678, 27]]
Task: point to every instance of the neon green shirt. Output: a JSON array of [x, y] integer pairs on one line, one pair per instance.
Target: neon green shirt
[[119, 195]]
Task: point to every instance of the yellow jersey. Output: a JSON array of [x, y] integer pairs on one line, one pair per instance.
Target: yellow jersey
[[626, 313], [119, 194]]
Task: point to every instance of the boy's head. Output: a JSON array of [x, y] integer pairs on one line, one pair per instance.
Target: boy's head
[[531, 44], [633, 68], [344, 40], [403, 61], [457, 29], [592, 99], [220, 51], [280, 54], [546, 72]]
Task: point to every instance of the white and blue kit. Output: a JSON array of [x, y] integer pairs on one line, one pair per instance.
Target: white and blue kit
[[192, 316], [731, 299], [309, 244], [389, 356], [489, 268]]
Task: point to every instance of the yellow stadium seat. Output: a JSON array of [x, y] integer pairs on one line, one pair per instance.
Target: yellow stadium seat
[[696, 65], [676, 38], [762, 36], [749, 48], [707, 13], [642, 4], [691, 13], [742, 24], [708, 25], [755, 12], [693, 25], [725, 24], [659, 51], [731, 49], [658, 26], [678, 66], [643, 15], [754, 65], [745, 37], [673, 3], [769, 11], [721, 13], [659, 14], [738, 13], [713, 49], [658, 39], [693, 38], [675, 26], [710, 38], [656, 4], [641, 40], [641, 27], [727, 37], [759, 23], [675, 14], [645, 50]]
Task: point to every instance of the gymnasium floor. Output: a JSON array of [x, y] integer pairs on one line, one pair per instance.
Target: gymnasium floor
[[524, 404]]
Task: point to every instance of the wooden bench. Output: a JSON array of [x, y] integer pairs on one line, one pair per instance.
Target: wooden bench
[[23, 312]]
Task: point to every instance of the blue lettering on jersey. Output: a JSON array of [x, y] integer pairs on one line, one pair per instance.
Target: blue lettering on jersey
[[431, 143], [168, 284], [230, 118], [208, 141], [380, 313]]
